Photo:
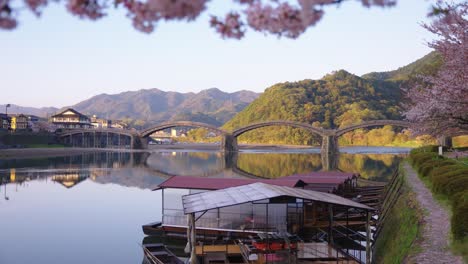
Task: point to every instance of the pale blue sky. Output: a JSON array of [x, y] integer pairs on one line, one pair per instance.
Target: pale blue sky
[[59, 60]]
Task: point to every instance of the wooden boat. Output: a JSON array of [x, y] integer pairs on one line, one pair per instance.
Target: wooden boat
[[152, 229], [159, 254]]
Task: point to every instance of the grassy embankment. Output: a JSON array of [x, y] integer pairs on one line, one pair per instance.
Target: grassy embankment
[[29, 140], [401, 228], [448, 180]]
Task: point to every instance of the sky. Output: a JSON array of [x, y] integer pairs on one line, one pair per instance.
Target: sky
[[60, 60]]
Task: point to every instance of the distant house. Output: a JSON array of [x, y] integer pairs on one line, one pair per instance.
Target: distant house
[[100, 122], [4, 122], [119, 124], [70, 119], [20, 122]]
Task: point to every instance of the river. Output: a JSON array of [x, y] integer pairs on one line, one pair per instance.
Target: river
[[89, 208]]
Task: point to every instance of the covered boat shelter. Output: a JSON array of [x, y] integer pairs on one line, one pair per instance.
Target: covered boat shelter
[[276, 201]]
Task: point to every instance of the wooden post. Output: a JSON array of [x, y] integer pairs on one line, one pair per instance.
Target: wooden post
[[368, 233], [330, 227], [192, 238]]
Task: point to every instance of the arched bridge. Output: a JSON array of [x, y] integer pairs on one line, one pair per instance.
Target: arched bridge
[[147, 132], [229, 139], [101, 138], [372, 123], [319, 131]]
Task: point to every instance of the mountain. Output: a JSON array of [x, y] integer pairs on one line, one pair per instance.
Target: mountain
[[423, 66], [337, 100], [211, 106], [326, 102], [41, 112], [153, 105]]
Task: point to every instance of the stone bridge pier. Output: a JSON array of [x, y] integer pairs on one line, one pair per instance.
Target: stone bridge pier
[[229, 143], [329, 144], [329, 152]]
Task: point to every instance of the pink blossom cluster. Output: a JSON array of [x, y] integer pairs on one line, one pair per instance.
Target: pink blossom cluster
[[91, 9], [145, 15], [7, 20], [278, 17], [230, 27], [36, 5], [282, 20], [440, 105]]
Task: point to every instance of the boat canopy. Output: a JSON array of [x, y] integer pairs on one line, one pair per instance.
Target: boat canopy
[[201, 202]]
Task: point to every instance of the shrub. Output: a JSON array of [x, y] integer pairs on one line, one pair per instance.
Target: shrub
[[440, 181], [460, 215], [446, 169], [421, 158], [424, 149], [455, 186]]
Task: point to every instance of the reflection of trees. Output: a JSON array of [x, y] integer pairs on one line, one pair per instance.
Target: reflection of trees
[[275, 165], [371, 166], [185, 163]]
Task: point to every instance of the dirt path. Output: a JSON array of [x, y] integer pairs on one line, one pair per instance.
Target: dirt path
[[435, 236]]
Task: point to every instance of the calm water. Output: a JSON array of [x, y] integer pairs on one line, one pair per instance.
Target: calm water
[[90, 208]]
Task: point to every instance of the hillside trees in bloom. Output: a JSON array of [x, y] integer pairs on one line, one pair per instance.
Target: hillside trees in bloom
[[279, 17], [439, 103]]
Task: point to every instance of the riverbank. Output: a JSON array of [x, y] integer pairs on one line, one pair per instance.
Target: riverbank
[[26, 153]]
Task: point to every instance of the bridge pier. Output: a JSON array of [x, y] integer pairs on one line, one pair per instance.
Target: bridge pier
[[229, 143], [329, 152], [138, 142], [230, 159], [329, 144], [445, 141]]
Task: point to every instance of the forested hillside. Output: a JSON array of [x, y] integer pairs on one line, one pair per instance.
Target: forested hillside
[[337, 100]]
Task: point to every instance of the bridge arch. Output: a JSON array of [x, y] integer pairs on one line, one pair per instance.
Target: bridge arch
[[147, 132], [373, 123], [319, 131], [72, 132], [100, 138]]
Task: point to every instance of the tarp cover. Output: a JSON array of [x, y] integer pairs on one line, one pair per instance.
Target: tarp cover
[[255, 192]]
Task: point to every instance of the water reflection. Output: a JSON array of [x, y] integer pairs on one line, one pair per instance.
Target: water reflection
[[96, 202]]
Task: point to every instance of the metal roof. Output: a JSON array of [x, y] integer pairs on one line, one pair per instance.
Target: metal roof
[[203, 183], [255, 192]]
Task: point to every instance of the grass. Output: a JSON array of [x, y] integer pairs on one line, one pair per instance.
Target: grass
[[396, 242]]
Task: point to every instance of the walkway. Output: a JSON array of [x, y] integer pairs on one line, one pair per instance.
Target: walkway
[[435, 240]]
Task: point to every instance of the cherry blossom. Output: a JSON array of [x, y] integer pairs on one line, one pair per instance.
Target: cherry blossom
[[91, 9], [283, 18], [440, 104], [36, 5]]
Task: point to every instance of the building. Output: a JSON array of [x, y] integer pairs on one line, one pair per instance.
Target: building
[[20, 122], [119, 124], [100, 122], [4, 122], [71, 119]]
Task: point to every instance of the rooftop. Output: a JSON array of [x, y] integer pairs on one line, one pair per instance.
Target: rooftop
[[203, 183], [256, 192]]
